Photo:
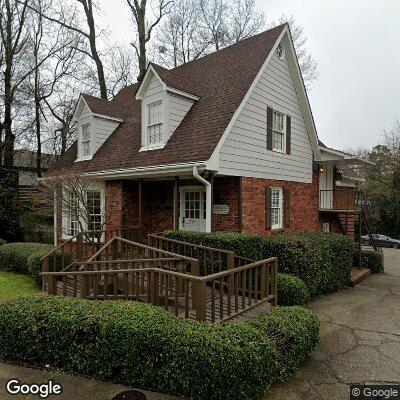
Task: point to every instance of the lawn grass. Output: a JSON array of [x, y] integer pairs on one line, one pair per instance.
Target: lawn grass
[[14, 285]]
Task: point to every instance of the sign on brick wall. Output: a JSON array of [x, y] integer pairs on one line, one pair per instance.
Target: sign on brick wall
[[221, 209]]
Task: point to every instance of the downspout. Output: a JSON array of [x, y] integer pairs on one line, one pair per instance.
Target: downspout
[[55, 218], [208, 196]]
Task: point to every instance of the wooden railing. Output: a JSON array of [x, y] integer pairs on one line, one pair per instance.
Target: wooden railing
[[214, 298], [212, 260], [82, 246]]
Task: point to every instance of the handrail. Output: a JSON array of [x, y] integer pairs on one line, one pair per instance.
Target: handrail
[[200, 246], [70, 240], [239, 269], [98, 252], [134, 260]]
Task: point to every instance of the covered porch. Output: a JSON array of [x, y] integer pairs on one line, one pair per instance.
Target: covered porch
[[187, 198]]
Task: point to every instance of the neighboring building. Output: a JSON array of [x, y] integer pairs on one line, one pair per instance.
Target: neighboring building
[[28, 183], [225, 142]]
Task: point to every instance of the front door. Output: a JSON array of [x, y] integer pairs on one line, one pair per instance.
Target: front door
[[326, 188], [192, 209]]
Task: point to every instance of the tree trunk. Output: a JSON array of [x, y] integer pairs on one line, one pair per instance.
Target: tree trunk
[[142, 44]]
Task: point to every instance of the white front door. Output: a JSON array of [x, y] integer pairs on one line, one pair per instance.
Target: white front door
[[192, 209], [326, 188]]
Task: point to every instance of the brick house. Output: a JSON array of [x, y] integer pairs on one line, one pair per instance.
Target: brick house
[[223, 143]]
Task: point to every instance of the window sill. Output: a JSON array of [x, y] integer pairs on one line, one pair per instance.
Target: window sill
[[86, 158], [145, 148]]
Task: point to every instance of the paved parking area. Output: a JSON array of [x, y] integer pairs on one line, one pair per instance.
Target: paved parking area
[[360, 339]]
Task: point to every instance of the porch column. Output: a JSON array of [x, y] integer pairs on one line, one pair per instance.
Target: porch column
[[176, 203], [140, 202], [211, 202]]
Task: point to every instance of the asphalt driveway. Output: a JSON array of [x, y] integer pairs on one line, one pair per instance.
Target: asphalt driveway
[[360, 339]]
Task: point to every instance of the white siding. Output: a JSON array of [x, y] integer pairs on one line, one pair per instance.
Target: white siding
[[153, 90], [178, 108], [244, 151], [100, 130]]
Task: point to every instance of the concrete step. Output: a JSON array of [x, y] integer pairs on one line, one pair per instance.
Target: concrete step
[[358, 274]]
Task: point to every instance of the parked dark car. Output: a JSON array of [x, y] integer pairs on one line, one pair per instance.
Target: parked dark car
[[381, 240]]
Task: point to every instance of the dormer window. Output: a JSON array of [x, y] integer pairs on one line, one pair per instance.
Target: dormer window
[[86, 140], [154, 124]]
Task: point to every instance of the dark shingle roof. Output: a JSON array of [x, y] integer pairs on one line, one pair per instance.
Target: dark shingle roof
[[220, 79]]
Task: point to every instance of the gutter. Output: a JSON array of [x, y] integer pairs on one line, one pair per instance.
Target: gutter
[[208, 196]]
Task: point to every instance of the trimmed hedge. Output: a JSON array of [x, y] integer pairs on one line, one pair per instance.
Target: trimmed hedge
[[296, 334], [2, 241], [243, 244], [370, 259], [322, 260], [141, 345], [24, 258], [292, 291]]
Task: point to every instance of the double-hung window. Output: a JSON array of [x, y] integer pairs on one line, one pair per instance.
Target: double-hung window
[[93, 199], [154, 124], [86, 140], [72, 211], [276, 208], [278, 131]]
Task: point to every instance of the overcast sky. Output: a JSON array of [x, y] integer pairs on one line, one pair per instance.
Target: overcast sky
[[356, 44]]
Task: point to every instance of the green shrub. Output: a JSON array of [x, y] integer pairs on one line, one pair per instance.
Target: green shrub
[[292, 291], [296, 333], [2, 242], [245, 245], [141, 345], [323, 261], [24, 258], [370, 259]]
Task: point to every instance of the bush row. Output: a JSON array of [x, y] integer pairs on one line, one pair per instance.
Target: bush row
[[369, 259], [141, 345], [25, 258], [323, 261]]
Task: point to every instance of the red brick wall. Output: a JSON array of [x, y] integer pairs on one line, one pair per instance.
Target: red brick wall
[[113, 204], [343, 197], [226, 191], [304, 205]]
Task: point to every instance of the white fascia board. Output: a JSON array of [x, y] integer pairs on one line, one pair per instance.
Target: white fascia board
[[303, 96], [182, 93], [107, 117], [312, 132], [77, 109], [143, 85], [155, 170]]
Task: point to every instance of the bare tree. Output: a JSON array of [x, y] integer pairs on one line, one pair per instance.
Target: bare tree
[[195, 28], [13, 37], [308, 65], [68, 17], [52, 53], [144, 28], [79, 196], [180, 39]]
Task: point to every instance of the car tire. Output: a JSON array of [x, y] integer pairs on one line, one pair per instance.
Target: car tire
[[395, 245]]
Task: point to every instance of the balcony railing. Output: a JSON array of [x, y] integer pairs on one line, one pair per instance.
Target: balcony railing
[[339, 200]]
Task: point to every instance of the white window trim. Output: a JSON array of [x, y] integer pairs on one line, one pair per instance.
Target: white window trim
[[81, 141], [65, 216], [283, 150], [280, 224], [148, 125]]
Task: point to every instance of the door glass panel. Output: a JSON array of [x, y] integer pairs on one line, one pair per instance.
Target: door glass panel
[[192, 205]]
